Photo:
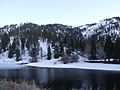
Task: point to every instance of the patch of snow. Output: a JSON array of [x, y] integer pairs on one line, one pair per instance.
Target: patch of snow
[[4, 58], [44, 46]]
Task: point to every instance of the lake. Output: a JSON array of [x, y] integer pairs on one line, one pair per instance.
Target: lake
[[66, 79]]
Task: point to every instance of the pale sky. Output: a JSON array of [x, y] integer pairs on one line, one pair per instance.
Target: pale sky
[[69, 12]]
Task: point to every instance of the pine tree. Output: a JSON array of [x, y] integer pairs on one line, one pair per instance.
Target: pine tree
[[116, 53], [10, 51], [81, 44], [61, 49], [17, 42], [5, 39], [22, 39], [49, 53], [0, 48], [56, 52], [108, 48], [34, 54], [72, 44], [29, 45], [14, 45], [18, 55], [93, 48], [68, 51]]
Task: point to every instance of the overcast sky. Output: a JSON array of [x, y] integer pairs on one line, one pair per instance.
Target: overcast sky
[[69, 12]]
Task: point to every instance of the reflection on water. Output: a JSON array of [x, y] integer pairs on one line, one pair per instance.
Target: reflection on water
[[66, 79]]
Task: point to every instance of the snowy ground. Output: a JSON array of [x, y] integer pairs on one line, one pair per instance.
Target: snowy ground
[[6, 63], [10, 63], [55, 63], [79, 65]]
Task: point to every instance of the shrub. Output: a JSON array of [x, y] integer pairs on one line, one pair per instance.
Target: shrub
[[69, 59], [10, 85], [66, 58]]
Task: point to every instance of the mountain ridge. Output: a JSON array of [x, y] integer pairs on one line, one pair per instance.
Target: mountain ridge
[[104, 27]]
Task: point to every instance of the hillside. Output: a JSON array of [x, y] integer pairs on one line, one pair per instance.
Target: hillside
[[110, 26], [30, 42]]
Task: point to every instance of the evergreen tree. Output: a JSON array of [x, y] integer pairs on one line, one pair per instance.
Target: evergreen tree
[[108, 48], [56, 52], [72, 44], [68, 51], [34, 40], [29, 44], [5, 39], [14, 45], [116, 53], [10, 51], [0, 48], [61, 49], [22, 39], [81, 44], [18, 43], [49, 53], [93, 48], [34, 54], [18, 55]]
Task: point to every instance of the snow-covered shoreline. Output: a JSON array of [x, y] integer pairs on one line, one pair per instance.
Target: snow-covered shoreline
[[10, 66], [77, 65], [56, 64]]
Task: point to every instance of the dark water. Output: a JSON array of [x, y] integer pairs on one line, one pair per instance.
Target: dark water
[[66, 79]]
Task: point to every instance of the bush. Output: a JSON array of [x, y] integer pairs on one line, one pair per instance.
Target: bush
[[66, 58], [69, 59], [10, 85]]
